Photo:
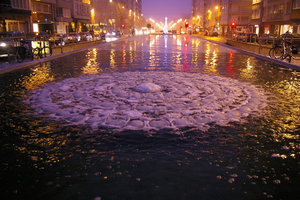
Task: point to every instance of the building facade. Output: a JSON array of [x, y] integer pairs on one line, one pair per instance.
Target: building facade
[[15, 15], [255, 16], [276, 17], [50, 16], [115, 13]]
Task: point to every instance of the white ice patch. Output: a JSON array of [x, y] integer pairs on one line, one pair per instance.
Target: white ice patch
[[148, 100], [147, 87]]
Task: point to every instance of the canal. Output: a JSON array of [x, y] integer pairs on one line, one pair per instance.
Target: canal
[[150, 117]]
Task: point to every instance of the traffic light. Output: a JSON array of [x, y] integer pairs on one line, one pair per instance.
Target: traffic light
[[233, 24], [123, 25], [186, 24]]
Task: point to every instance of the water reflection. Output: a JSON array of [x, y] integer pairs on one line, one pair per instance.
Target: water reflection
[[92, 66]]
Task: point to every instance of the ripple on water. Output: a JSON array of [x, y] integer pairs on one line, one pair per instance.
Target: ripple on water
[[148, 100]]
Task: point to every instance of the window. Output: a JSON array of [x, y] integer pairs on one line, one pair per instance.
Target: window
[[270, 10], [42, 8], [63, 12], [243, 19], [256, 14], [23, 4], [288, 7], [281, 8], [276, 8], [296, 4]]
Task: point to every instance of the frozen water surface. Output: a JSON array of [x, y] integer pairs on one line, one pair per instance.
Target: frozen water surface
[[148, 100]]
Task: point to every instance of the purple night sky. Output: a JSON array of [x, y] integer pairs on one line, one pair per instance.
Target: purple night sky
[[159, 9]]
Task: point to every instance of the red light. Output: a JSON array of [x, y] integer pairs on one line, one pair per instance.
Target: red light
[[232, 24], [186, 24], [123, 25]]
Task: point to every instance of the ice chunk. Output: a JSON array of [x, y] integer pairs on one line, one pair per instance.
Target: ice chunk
[[133, 114], [160, 123], [136, 123], [148, 87], [64, 88]]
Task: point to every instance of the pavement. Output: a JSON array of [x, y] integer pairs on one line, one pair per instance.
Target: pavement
[[294, 64], [221, 40]]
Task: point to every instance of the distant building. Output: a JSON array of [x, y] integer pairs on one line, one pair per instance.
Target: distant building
[[45, 15], [256, 16], [114, 13], [277, 17], [15, 15]]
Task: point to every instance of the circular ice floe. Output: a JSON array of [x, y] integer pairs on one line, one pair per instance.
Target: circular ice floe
[[148, 100]]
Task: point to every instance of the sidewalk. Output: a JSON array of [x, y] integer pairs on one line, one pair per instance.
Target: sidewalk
[[56, 53], [252, 49]]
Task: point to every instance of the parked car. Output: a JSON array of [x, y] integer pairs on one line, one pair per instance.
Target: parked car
[[213, 33], [113, 34], [267, 39], [73, 37], [86, 36], [249, 37], [116, 34], [238, 36], [293, 37], [57, 37], [37, 36], [11, 39]]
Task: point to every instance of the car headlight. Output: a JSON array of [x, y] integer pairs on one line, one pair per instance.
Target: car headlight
[[2, 44]]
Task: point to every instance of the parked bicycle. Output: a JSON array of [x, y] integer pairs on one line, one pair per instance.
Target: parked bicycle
[[283, 51], [24, 51], [42, 51]]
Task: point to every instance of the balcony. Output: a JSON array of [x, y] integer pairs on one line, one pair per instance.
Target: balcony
[[43, 18], [295, 14], [277, 17], [62, 18]]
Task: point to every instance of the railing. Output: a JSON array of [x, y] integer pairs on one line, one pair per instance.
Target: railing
[[10, 51], [2, 5], [266, 42], [277, 16]]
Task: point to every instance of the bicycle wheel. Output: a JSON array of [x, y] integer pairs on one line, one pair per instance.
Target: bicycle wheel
[[19, 56], [289, 58], [46, 51], [29, 54], [36, 53], [276, 52]]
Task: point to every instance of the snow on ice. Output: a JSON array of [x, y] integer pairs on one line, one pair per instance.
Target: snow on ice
[[148, 100]]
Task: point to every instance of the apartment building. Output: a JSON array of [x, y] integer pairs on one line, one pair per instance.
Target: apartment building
[[115, 13], [276, 17], [217, 15], [238, 12], [15, 15], [199, 14], [45, 15], [256, 16]]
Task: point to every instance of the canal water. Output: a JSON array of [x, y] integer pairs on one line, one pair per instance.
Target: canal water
[[150, 117]]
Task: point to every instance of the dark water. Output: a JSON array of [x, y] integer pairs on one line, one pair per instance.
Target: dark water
[[256, 159]]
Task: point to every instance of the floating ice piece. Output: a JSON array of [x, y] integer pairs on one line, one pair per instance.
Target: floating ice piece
[[275, 155], [148, 87], [133, 114], [64, 88], [286, 147]]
